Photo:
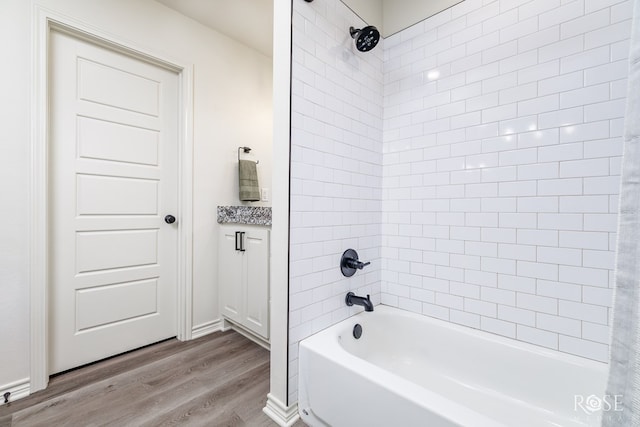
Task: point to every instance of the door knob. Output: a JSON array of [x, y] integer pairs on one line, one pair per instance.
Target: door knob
[[169, 219]]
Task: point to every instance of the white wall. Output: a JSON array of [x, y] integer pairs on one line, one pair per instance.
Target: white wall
[[232, 107], [279, 268], [336, 169], [501, 161], [502, 142], [14, 178]]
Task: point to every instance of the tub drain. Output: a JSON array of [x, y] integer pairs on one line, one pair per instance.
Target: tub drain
[[357, 331]]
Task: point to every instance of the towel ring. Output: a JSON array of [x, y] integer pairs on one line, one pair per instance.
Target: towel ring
[[245, 150]]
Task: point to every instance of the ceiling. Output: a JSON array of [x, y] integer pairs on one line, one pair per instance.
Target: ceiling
[[391, 16], [251, 21], [248, 21]]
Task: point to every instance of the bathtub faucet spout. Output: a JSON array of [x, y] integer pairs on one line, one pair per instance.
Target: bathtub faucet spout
[[352, 299]]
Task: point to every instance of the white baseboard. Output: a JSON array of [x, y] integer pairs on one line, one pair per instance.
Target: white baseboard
[[284, 416], [227, 324], [206, 328], [18, 390]]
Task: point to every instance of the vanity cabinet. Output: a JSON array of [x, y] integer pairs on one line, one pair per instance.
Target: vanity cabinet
[[243, 276]]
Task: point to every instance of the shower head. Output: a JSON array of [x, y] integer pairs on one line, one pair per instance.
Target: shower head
[[366, 38]]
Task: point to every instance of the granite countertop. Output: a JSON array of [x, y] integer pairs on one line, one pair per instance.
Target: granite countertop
[[244, 215]]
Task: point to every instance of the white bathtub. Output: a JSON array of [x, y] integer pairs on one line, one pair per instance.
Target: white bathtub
[[410, 370]]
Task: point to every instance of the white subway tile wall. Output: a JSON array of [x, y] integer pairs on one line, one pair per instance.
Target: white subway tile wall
[[473, 157], [336, 169], [504, 129]]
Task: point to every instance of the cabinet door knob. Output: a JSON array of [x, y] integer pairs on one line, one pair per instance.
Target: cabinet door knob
[[169, 219]]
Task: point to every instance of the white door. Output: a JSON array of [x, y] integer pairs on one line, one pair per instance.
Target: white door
[[257, 281], [112, 180], [230, 272], [243, 276]]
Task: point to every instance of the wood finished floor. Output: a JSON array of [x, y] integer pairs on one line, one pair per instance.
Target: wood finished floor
[[221, 379]]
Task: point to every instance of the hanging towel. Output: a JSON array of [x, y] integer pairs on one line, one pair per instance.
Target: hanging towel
[[249, 188]]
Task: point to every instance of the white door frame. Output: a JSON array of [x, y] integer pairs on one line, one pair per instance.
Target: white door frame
[[44, 21]]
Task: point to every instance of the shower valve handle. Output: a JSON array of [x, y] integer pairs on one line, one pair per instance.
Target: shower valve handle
[[354, 263], [349, 263]]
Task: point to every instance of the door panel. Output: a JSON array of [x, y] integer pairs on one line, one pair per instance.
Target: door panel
[[105, 140], [113, 154], [257, 268], [229, 273], [105, 250], [125, 90], [110, 195], [103, 305]]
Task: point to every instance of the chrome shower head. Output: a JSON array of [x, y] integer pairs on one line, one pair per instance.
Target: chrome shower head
[[366, 38]]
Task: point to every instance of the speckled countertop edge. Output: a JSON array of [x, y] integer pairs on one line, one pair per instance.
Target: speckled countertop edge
[[244, 215]]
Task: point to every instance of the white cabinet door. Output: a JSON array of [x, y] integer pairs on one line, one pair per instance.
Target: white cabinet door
[[230, 268], [256, 315], [243, 277]]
